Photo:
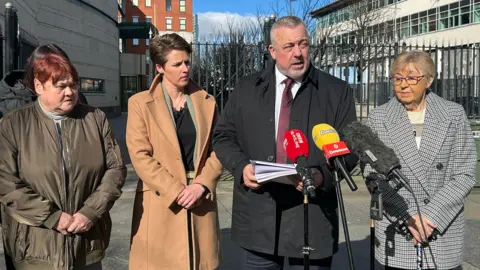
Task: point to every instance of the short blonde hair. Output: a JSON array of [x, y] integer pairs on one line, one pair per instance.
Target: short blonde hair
[[420, 59]]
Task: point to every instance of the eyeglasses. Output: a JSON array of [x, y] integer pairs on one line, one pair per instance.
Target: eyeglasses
[[411, 80]]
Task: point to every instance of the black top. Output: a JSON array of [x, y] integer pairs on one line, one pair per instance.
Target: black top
[[186, 135]]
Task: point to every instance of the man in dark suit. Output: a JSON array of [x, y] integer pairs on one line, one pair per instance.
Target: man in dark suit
[[268, 218]]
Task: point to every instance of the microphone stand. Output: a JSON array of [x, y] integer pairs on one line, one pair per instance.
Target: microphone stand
[[376, 213], [338, 188], [306, 247]]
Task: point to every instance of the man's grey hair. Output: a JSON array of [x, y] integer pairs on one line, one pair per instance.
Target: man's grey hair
[[287, 21]]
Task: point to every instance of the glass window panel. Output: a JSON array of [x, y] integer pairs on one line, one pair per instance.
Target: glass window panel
[[432, 26], [465, 18], [415, 30], [168, 5], [443, 24], [476, 12], [444, 8], [91, 85], [182, 25], [182, 5]]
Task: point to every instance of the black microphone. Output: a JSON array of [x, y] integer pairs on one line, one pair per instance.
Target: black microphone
[[371, 150]]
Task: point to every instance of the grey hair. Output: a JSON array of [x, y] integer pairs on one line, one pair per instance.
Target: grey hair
[[287, 21], [420, 59]]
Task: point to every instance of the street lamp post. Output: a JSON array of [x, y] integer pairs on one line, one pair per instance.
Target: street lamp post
[[150, 62], [267, 38]]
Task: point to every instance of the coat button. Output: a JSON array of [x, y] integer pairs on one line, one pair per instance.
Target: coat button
[[270, 158], [157, 193], [270, 119], [439, 166], [426, 201]]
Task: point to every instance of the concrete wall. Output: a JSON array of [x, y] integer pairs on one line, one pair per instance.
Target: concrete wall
[[132, 64], [88, 34]]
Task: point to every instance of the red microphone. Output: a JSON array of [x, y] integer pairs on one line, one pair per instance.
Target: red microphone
[[296, 147], [295, 144]]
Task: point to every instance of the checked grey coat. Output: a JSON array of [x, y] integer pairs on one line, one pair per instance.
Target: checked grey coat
[[441, 174]]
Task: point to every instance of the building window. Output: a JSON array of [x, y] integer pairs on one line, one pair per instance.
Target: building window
[[135, 20], [168, 23], [92, 85], [147, 42], [148, 19], [183, 26], [135, 3], [476, 12], [148, 3], [182, 5], [168, 5]]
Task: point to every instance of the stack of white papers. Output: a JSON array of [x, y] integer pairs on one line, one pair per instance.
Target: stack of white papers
[[276, 172]]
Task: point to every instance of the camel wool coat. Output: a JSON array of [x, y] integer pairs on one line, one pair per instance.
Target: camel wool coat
[[159, 237]]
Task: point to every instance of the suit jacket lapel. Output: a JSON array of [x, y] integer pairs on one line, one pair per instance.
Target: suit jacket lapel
[[160, 113], [401, 133], [204, 109], [435, 130]]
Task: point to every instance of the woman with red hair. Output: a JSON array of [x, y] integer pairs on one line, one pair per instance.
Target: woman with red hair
[[61, 171]]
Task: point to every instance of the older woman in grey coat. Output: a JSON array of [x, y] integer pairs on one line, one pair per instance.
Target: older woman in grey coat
[[433, 140]]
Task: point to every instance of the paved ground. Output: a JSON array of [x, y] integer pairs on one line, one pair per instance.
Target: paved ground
[[356, 204]]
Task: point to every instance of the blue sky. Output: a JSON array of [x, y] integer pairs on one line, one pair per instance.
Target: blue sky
[[214, 14], [242, 7]]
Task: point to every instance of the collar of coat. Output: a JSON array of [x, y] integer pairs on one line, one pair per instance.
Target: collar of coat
[[310, 76], [193, 89]]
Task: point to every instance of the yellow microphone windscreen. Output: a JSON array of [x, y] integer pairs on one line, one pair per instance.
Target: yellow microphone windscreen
[[324, 134]]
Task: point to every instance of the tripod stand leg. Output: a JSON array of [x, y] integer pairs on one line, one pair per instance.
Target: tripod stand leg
[[372, 244], [338, 189]]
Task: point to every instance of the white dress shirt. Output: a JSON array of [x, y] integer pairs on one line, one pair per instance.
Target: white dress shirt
[[279, 87]]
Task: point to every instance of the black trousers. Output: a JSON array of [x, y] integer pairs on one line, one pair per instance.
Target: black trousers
[[260, 261]]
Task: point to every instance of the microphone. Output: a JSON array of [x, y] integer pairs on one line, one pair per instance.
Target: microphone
[[371, 150], [296, 146], [326, 138]]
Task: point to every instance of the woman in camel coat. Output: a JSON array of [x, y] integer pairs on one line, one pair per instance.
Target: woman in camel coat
[[169, 127]]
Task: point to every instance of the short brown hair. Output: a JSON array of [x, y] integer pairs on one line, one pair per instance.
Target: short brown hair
[[420, 59], [161, 46]]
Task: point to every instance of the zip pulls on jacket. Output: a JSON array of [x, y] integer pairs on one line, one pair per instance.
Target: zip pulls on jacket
[[68, 239]]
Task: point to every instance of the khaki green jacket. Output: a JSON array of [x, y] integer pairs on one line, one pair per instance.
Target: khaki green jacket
[[44, 172]]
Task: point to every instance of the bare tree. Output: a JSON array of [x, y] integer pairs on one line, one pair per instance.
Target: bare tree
[[367, 21], [319, 34]]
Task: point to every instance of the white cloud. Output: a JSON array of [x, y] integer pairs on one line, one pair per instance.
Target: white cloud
[[211, 23]]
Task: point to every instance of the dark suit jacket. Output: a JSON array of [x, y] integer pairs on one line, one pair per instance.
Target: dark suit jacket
[[270, 219]]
